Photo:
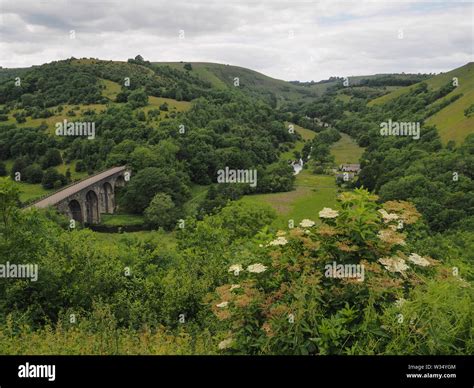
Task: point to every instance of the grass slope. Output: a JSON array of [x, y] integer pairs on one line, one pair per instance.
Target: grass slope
[[450, 121], [346, 150], [222, 76], [311, 194]]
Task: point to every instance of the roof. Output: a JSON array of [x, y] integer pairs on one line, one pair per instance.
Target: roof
[[354, 165]]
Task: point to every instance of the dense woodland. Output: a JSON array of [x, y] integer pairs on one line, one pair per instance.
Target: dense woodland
[[231, 282]]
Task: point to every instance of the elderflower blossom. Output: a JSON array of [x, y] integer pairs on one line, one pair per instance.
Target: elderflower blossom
[[225, 344], [236, 268], [391, 237], [256, 268], [279, 241], [306, 223], [387, 217], [418, 260], [395, 264], [222, 304], [327, 212]]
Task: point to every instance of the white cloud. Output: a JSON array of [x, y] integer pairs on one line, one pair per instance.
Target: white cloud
[[287, 40]]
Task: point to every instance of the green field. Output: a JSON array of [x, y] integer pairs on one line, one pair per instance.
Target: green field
[[178, 106], [111, 89], [122, 219], [32, 191], [346, 150], [120, 242], [311, 194]]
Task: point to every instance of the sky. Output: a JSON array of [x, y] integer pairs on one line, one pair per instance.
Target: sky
[[290, 40]]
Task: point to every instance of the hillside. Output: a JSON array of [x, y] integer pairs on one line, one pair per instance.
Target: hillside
[[176, 127], [451, 121], [278, 92], [222, 76]]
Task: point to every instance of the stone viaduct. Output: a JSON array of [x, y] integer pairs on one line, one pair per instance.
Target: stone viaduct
[[86, 200]]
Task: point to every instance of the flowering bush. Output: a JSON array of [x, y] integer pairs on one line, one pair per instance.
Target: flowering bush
[[284, 300]]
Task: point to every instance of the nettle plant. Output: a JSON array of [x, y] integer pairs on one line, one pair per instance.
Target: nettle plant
[[281, 301]]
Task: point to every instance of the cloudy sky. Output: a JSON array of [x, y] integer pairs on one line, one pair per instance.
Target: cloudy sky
[[304, 40]]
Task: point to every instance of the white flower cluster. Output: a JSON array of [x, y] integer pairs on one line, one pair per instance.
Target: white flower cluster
[[387, 217], [256, 268], [327, 212], [278, 241], [394, 264], [253, 268], [418, 260], [306, 223], [225, 344], [236, 269], [397, 264]]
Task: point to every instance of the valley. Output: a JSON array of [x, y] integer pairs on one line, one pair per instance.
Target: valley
[[191, 259]]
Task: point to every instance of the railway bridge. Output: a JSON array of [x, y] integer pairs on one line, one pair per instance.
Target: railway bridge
[[86, 200]]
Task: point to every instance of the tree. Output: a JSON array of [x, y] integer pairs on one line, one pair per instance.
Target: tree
[[9, 199], [138, 98], [141, 116], [33, 174], [18, 167], [152, 180], [162, 212], [3, 169], [52, 158], [277, 177], [122, 96], [188, 66], [80, 166], [51, 178]]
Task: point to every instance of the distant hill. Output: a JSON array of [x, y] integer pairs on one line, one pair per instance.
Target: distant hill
[[273, 90], [450, 120], [94, 81], [278, 92]]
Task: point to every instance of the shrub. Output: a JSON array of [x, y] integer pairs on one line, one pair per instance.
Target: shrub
[[162, 212], [286, 299], [33, 174]]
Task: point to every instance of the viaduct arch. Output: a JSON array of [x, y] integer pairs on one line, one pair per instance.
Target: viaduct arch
[[87, 199]]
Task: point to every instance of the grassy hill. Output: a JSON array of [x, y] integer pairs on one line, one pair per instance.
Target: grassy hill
[[450, 120], [222, 76]]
